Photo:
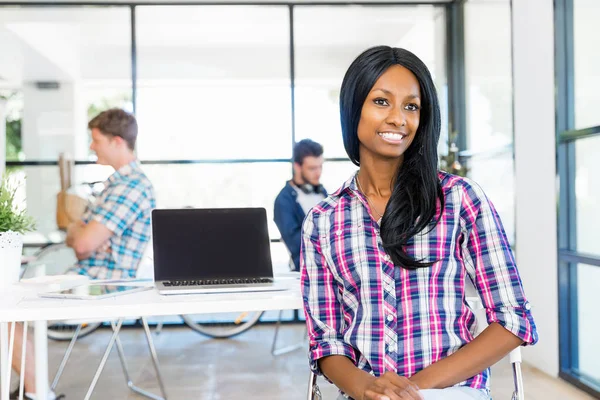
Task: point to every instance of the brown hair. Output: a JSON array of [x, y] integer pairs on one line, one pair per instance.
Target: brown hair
[[116, 122]]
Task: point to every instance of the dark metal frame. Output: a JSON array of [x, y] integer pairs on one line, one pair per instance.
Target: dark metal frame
[[568, 257], [46, 163], [455, 67]]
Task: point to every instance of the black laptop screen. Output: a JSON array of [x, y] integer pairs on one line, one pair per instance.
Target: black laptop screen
[[211, 243]]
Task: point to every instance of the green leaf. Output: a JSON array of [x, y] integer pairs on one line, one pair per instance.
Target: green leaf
[[11, 218]]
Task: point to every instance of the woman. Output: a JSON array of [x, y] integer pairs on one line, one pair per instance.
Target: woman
[[385, 258]]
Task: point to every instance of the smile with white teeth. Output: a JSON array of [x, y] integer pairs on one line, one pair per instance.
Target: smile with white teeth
[[392, 137]]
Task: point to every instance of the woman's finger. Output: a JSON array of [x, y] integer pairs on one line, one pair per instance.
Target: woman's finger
[[373, 395]]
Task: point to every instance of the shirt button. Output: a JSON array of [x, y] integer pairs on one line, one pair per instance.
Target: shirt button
[[386, 257], [527, 306], [392, 347], [390, 317], [339, 232]]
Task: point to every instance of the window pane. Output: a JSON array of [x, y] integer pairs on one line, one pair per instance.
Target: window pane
[[176, 186], [587, 194], [488, 72], [214, 82], [39, 187], [335, 173], [220, 185], [11, 114], [586, 14], [588, 282], [65, 64], [328, 38]]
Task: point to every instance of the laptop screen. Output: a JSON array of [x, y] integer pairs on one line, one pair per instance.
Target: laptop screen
[[192, 244]]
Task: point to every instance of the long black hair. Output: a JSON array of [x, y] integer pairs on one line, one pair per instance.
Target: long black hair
[[417, 188]]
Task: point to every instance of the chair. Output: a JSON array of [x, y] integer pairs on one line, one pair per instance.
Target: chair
[[314, 393]]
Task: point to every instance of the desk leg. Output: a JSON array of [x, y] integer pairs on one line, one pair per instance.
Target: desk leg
[[111, 343], [4, 362], [23, 355], [40, 338], [7, 358]]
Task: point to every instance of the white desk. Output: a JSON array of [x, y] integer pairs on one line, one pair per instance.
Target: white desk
[[20, 304]]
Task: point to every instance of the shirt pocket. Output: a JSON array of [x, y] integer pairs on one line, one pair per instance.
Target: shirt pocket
[[354, 256]]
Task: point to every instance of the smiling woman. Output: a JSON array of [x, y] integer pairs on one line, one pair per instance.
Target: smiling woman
[[385, 294], [391, 113], [385, 94]]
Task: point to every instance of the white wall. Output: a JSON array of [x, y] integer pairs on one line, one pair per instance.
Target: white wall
[[535, 167], [54, 121]]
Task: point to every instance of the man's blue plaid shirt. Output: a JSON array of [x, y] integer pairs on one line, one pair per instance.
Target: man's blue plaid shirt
[[124, 207]]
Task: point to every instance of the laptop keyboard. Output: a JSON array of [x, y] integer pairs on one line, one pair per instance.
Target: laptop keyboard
[[209, 282]]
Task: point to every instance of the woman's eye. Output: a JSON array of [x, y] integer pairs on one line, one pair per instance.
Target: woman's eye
[[412, 107], [381, 102]]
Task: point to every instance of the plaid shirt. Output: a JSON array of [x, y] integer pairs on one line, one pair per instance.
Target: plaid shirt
[[386, 318], [124, 207]]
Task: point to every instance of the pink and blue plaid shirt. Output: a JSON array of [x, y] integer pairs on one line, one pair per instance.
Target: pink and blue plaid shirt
[[386, 318]]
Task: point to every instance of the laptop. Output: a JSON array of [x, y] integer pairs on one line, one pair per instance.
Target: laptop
[[218, 250]]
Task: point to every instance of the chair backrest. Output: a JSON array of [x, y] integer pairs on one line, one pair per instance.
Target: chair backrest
[[291, 264], [313, 392]]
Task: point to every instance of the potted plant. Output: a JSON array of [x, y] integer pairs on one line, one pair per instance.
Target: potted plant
[[14, 222]]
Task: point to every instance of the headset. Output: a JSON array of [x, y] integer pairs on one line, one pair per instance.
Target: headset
[[307, 188]]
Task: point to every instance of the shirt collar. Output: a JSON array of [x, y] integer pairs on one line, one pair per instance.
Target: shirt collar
[[124, 171], [349, 186]]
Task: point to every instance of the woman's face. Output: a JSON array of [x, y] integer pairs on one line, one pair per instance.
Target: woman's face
[[390, 114]]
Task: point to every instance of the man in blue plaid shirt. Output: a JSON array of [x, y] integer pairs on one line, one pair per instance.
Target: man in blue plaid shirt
[[111, 238]]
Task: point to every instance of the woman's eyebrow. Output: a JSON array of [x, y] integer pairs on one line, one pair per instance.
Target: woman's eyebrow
[[408, 97]]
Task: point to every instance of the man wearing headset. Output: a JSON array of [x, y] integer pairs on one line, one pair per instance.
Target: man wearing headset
[[299, 195]]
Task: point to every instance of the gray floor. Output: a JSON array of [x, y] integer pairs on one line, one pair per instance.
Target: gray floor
[[196, 367]]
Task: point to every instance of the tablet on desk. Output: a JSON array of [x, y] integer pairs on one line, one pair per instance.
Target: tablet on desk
[[91, 291]]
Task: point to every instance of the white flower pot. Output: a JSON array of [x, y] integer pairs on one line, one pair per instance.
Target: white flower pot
[[11, 248]]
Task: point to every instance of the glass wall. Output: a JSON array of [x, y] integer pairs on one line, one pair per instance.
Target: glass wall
[[586, 14], [212, 91], [488, 76], [65, 64], [328, 38], [214, 82], [587, 195], [60, 66], [588, 299], [578, 125]]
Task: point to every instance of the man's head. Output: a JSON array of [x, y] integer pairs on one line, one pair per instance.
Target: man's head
[[114, 133], [308, 162]]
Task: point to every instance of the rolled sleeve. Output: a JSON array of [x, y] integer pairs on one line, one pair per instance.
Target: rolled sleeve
[[322, 308], [492, 268], [120, 207]]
